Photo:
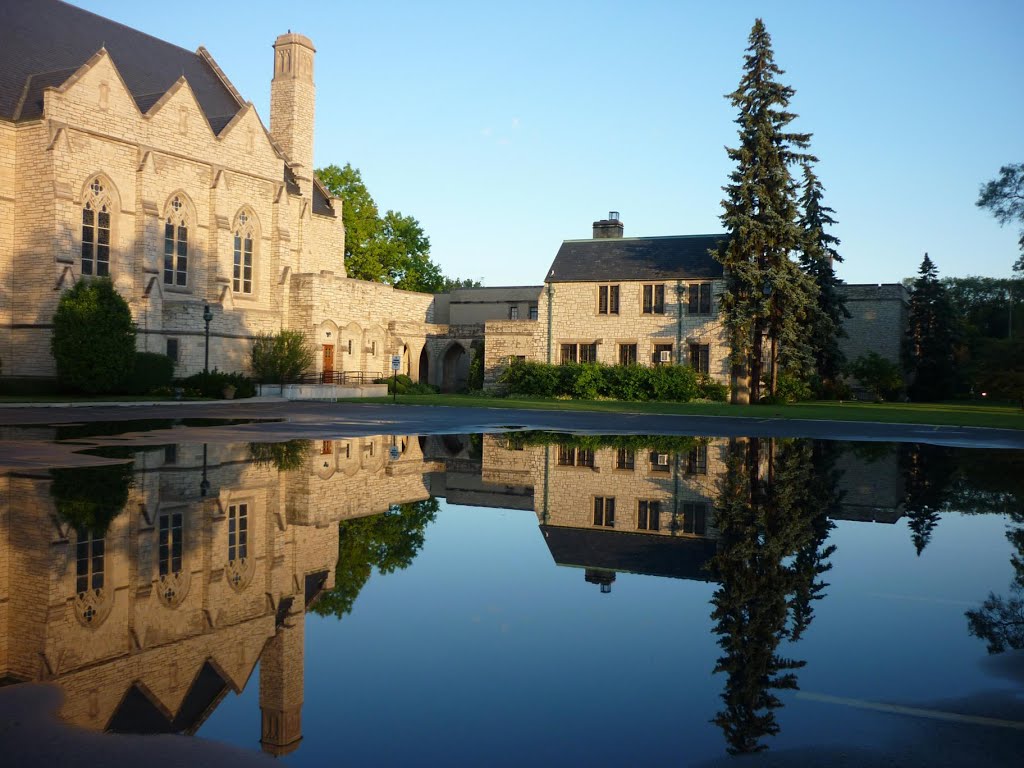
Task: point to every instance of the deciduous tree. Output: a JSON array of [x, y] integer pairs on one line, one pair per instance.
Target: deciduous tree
[[1003, 197]]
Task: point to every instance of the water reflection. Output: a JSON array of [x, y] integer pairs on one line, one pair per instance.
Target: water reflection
[[773, 507], [151, 589]]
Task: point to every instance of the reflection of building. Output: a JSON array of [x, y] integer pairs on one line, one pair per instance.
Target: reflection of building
[[617, 509], [147, 625]]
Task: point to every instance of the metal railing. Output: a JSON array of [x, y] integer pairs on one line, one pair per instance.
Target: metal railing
[[341, 377]]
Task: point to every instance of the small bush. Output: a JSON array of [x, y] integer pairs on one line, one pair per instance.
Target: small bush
[[791, 389], [93, 340], [212, 384], [278, 358], [709, 389], [883, 378], [406, 386], [152, 372]]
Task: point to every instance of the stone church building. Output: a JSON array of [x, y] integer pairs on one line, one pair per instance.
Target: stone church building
[[127, 157]]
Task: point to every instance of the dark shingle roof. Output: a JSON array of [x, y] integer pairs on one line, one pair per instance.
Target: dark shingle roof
[[43, 42], [636, 258], [675, 557]]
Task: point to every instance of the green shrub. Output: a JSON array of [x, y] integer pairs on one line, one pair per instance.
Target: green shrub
[[406, 386], [152, 371], [709, 389], [588, 381], [211, 384], [476, 370], [883, 378], [278, 358], [285, 457], [791, 389], [93, 339]]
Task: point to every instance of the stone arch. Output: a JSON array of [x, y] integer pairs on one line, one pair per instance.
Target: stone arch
[[349, 355], [375, 350], [454, 367], [423, 366]]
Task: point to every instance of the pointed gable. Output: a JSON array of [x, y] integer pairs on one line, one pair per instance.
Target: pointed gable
[[43, 42]]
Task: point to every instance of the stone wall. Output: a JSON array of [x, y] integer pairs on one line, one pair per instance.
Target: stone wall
[[878, 320]]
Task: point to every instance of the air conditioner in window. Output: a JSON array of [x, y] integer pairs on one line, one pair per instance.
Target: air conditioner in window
[[662, 459], [665, 356]]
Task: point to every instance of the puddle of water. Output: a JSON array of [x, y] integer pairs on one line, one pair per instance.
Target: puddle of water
[[525, 597]]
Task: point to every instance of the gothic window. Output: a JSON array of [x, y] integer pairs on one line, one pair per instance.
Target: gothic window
[[96, 230], [176, 225], [245, 236], [173, 579], [91, 602], [88, 563], [239, 570]]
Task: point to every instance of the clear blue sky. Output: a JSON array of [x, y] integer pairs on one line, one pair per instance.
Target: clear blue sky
[[506, 128]]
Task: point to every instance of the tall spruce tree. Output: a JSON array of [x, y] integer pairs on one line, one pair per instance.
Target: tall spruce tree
[[931, 336], [817, 257], [766, 296]]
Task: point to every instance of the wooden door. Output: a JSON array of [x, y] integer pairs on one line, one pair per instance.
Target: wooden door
[[328, 361]]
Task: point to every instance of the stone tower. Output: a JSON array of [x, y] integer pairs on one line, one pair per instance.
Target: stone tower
[[281, 683], [292, 103]]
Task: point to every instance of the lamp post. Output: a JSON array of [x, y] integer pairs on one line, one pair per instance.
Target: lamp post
[[207, 317], [204, 484]]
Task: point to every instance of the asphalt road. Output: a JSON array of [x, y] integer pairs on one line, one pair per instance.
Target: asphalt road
[[325, 420]]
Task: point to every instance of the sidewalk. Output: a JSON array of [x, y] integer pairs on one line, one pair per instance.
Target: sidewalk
[[133, 403]]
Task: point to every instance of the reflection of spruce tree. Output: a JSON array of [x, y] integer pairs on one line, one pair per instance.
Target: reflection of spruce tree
[[768, 562], [388, 542], [820, 501], [928, 471]]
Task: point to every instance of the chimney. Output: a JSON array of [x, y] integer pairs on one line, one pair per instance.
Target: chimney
[[610, 227], [292, 101]]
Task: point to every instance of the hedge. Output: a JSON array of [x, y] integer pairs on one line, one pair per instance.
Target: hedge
[[590, 381]]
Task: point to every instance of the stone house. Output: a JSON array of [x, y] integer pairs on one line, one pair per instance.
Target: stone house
[[127, 157], [618, 300]]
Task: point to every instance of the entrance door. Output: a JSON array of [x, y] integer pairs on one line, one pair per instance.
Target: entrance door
[[328, 374]]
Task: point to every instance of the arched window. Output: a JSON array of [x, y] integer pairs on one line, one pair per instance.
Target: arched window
[[239, 568], [91, 603], [176, 224], [174, 580], [96, 229], [245, 238]]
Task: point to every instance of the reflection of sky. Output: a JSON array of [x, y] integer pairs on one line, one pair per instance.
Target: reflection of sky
[[485, 652]]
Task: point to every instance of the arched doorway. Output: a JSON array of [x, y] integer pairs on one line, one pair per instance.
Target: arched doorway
[[424, 377], [454, 368]]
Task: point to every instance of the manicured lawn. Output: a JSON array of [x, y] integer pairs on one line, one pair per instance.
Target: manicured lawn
[[946, 414]]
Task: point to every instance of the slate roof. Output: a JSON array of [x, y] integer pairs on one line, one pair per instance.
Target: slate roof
[[675, 557], [43, 42], [636, 258]]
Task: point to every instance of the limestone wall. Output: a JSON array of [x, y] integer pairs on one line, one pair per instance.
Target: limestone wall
[[878, 321]]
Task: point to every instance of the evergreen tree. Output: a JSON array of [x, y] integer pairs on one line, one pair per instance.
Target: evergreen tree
[[817, 256], [931, 336], [765, 297]]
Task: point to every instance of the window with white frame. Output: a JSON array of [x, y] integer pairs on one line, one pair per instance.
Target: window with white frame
[[176, 243], [245, 237], [96, 230]]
